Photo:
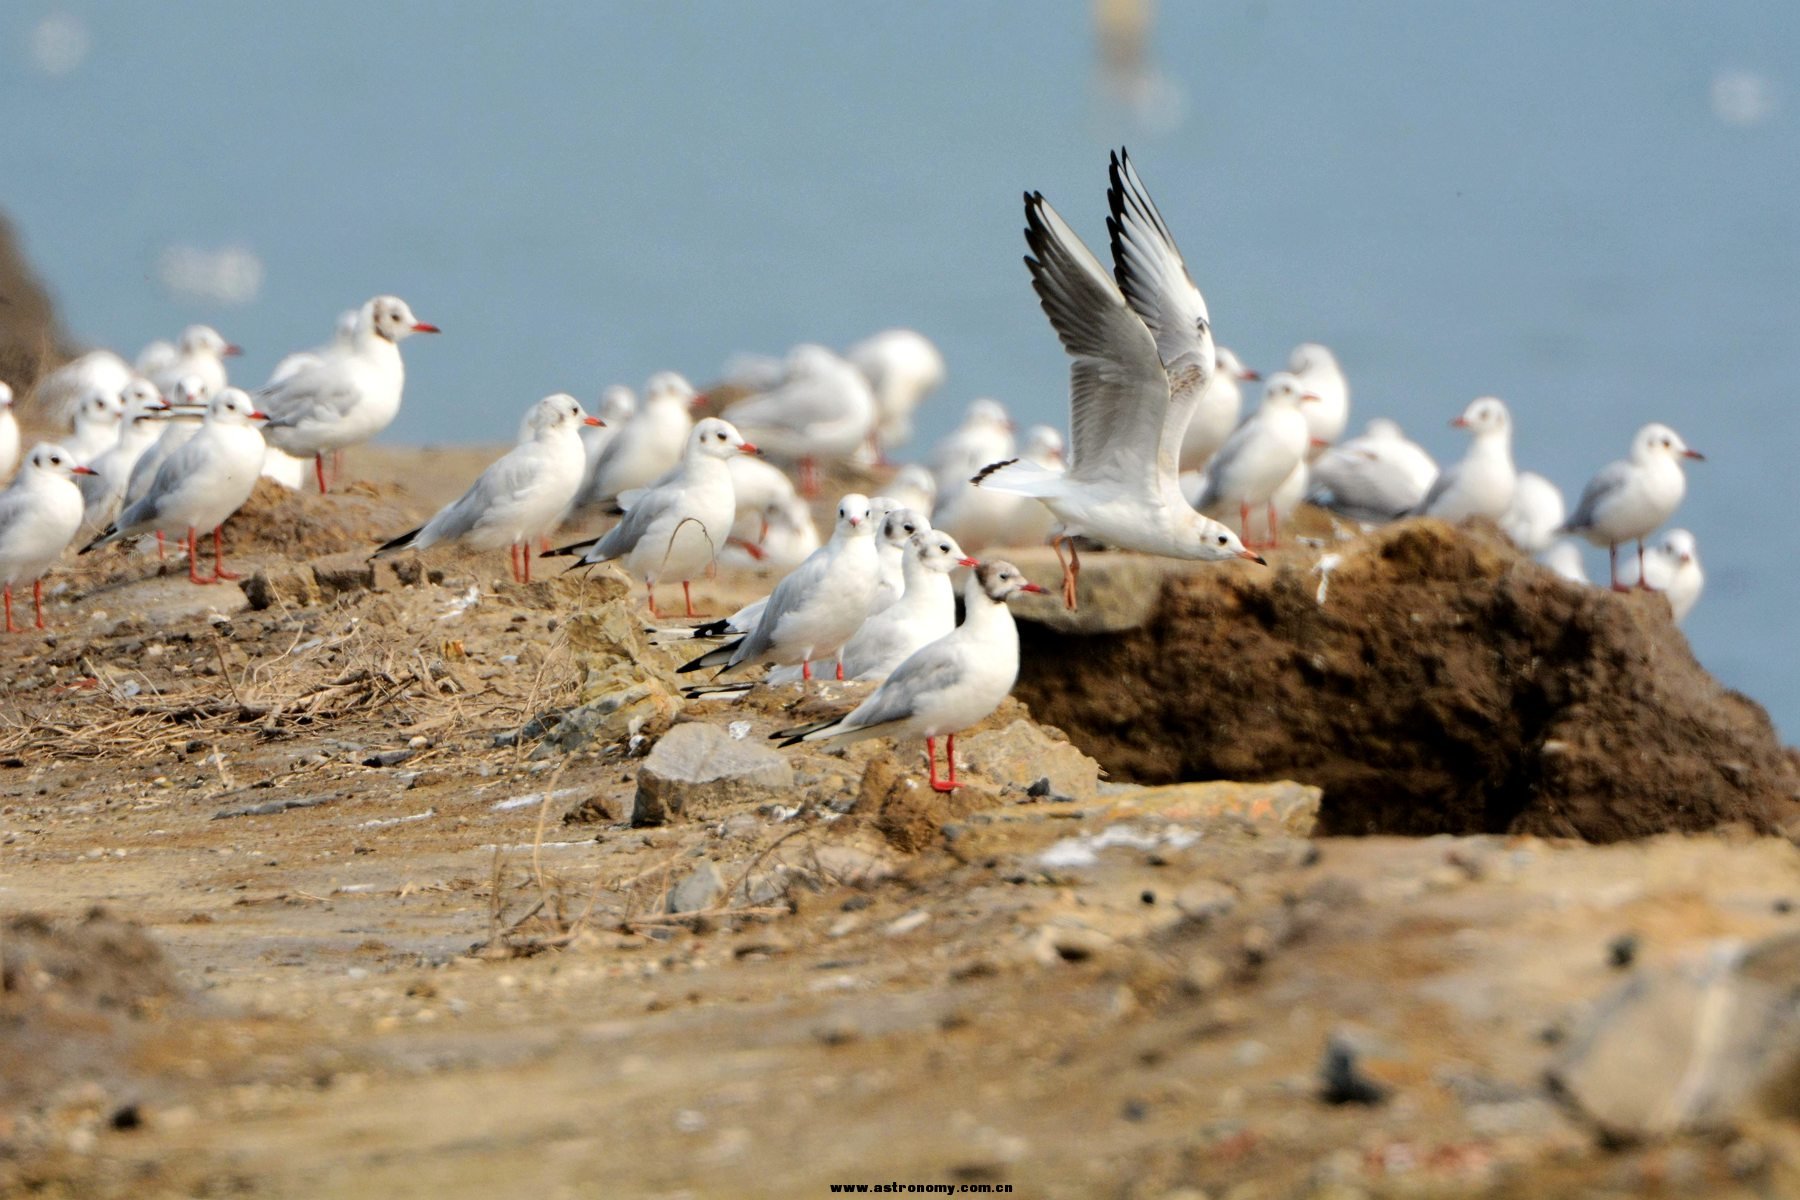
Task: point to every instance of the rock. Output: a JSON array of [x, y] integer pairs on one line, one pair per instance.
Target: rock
[[1690, 1048], [1024, 752], [645, 706], [907, 811], [1281, 807], [699, 891], [697, 770], [286, 587], [344, 574], [627, 688], [1447, 684]]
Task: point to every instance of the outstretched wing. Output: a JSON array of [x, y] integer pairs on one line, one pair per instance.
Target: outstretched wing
[[1118, 390], [1155, 281]]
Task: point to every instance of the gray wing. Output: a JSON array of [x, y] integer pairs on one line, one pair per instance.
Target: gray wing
[[1602, 487], [1155, 281], [1444, 482], [1361, 485], [931, 668], [644, 512], [794, 590], [796, 404], [506, 481], [315, 389], [1118, 390]]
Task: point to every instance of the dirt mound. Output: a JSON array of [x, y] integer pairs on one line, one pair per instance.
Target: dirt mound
[[1438, 682], [30, 342], [299, 525]]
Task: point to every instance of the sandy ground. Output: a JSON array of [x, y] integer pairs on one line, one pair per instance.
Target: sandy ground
[[419, 958]]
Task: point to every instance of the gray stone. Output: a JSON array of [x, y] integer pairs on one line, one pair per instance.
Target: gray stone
[[1690, 1048], [1022, 753], [699, 891], [697, 770]]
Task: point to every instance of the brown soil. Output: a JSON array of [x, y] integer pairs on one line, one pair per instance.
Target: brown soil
[[1445, 685], [30, 341], [410, 947]]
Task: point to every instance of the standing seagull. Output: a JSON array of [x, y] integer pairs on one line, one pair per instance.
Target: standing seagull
[[676, 529], [520, 496], [39, 514], [1260, 457], [1482, 483], [819, 605], [97, 421], [350, 393], [1143, 354], [201, 352], [1630, 498], [103, 491], [1672, 568], [648, 446], [1380, 476], [200, 485], [822, 409], [9, 432], [1217, 411], [1318, 371], [902, 368], [945, 686]]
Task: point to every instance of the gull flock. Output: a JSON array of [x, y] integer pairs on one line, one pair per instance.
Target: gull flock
[[1160, 458]]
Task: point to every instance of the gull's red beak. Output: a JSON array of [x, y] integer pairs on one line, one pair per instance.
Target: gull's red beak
[[82, 471], [855, 521], [259, 415], [1034, 589], [1319, 443], [1249, 376], [1308, 398], [699, 400], [231, 351], [1254, 557], [593, 421], [1459, 423], [968, 562], [749, 448], [1693, 454], [422, 327]]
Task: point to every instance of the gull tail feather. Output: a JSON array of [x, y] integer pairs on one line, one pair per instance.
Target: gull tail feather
[[718, 656], [395, 545]]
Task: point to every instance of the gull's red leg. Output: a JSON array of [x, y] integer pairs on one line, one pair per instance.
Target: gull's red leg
[[1612, 554], [1244, 523], [950, 757], [512, 561], [650, 591], [193, 540], [1068, 589], [687, 599], [806, 669], [10, 627], [931, 762], [1274, 527], [809, 478], [219, 571], [319, 471], [37, 600], [159, 546], [1074, 574], [1643, 579]]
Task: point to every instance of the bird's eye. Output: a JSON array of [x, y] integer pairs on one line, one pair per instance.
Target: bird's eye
[[1222, 539]]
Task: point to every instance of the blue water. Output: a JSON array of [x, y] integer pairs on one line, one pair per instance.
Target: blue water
[[1535, 199]]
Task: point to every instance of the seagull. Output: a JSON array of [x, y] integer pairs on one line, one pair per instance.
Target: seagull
[[521, 496], [1142, 355], [944, 686], [894, 528], [39, 515], [200, 352], [788, 536], [351, 393], [647, 446], [616, 407], [1260, 456], [201, 484], [284, 468], [1319, 373], [1672, 567], [914, 487], [1536, 514], [1483, 482], [925, 611], [819, 605], [1217, 412], [1378, 476], [1565, 559], [9, 432], [103, 490], [1630, 498], [180, 421], [676, 529], [62, 390], [985, 437], [902, 367], [980, 517], [822, 409], [97, 420], [757, 488]]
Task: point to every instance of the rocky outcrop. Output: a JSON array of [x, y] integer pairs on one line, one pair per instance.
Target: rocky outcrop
[[1436, 682], [30, 341]]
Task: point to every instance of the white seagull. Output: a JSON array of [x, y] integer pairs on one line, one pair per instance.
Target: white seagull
[[1536, 514], [945, 686], [350, 393], [616, 407], [1319, 373], [200, 352], [200, 485], [788, 535], [980, 517], [59, 392], [284, 468], [648, 446], [103, 490], [9, 433], [1217, 412], [1482, 483], [984, 438], [819, 605], [1260, 457], [1672, 567], [97, 420], [1143, 356], [902, 367], [676, 529], [1564, 558], [822, 409], [1378, 476], [1630, 498], [39, 514], [521, 496]]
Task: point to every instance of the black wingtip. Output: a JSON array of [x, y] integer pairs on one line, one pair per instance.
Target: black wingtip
[[394, 544], [989, 470], [571, 548]]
